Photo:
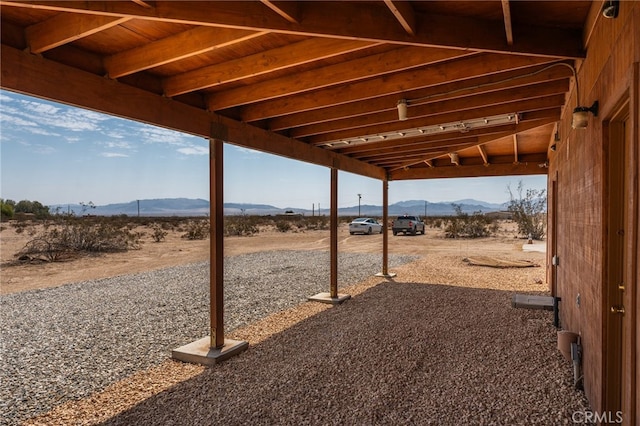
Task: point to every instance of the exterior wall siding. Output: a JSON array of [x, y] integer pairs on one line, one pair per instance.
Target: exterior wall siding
[[579, 163]]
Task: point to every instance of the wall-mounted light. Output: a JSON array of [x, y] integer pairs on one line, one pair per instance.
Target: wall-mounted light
[[581, 115], [610, 9], [402, 109]]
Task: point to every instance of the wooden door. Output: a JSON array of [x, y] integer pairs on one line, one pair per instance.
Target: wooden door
[[616, 317]]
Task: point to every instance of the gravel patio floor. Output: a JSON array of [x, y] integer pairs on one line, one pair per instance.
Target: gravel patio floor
[[440, 344]]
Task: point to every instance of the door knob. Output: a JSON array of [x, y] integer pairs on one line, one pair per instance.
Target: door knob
[[617, 309]]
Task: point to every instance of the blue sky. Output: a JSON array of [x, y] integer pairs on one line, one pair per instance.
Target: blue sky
[[57, 154]]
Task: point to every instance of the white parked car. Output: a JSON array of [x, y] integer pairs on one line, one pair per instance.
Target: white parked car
[[365, 225]]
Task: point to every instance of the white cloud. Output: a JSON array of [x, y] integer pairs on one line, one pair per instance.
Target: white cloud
[[113, 155], [118, 144], [194, 150], [50, 116], [42, 149]]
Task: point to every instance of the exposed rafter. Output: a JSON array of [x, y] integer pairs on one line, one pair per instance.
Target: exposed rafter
[[65, 28], [289, 10], [325, 76], [259, 63], [508, 28], [196, 41], [379, 25], [404, 13], [483, 154]]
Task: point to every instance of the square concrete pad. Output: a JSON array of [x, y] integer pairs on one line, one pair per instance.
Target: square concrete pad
[[532, 302], [199, 352], [326, 298], [389, 275]]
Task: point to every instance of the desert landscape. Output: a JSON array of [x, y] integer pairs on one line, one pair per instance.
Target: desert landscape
[[175, 250], [519, 377]]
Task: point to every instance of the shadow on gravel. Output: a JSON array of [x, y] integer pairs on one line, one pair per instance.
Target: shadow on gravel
[[399, 353]]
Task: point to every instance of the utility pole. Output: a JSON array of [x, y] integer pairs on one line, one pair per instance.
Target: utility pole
[[359, 197]]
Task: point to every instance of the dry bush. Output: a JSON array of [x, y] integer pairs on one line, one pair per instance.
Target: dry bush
[[75, 236], [476, 225], [197, 229]]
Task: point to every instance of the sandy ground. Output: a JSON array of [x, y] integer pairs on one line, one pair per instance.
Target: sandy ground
[[175, 250], [134, 398]]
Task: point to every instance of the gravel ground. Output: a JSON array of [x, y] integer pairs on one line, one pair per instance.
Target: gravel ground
[[65, 343]]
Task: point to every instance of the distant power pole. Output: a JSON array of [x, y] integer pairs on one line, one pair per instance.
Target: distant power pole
[[359, 198], [313, 209], [138, 207]]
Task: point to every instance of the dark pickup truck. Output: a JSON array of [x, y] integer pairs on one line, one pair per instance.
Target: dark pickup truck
[[407, 225]]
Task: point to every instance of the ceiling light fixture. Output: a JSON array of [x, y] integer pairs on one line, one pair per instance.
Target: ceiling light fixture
[[402, 109]]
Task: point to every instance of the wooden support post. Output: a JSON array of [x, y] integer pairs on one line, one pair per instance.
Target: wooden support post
[[385, 222], [214, 348], [334, 233], [332, 297], [216, 243], [385, 231]]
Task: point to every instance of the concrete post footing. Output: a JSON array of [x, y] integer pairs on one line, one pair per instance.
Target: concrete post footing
[[326, 298], [200, 352]]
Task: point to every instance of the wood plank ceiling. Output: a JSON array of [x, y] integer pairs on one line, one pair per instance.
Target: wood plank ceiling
[[484, 81]]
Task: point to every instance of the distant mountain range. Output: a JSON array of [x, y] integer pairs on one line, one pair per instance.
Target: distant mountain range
[[200, 207]]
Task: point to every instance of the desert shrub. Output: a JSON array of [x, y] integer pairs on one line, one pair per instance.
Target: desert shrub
[[317, 222], [158, 233], [283, 225], [463, 225], [241, 225], [197, 230], [76, 237], [529, 211]]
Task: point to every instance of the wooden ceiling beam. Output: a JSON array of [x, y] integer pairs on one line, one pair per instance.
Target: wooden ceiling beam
[[289, 10], [477, 85], [447, 139], [142, 3], [420, 152], [432, 150], [453, 71], [529, 168], [336, 19], [404, 14], [37, 76], [506, 108], [260, 63], [515, 149], [460, 104], [483, 154], [179, 46], [506, 14], [396, 60], [65, 28]]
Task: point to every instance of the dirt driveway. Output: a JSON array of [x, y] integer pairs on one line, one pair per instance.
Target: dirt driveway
[[175, 250]]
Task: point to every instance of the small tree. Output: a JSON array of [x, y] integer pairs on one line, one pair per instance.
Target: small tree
[[6, 209], [35, 207], [529, 211]]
